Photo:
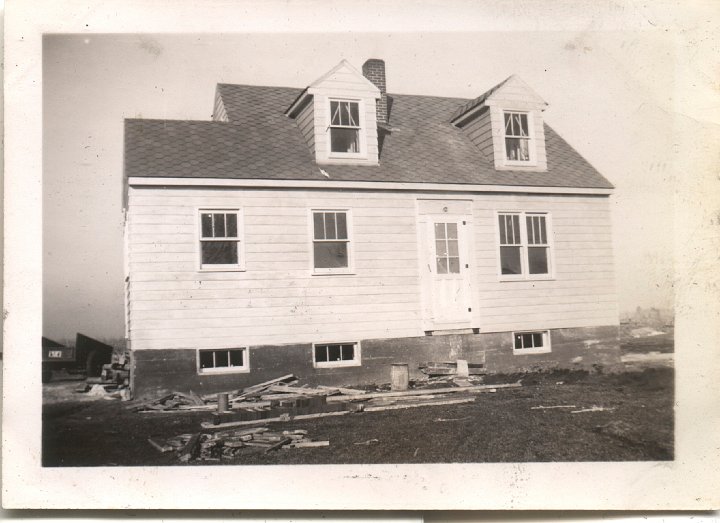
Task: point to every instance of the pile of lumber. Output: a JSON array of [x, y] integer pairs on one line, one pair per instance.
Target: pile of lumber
[[113, 382], [281, 400], [229, 444]]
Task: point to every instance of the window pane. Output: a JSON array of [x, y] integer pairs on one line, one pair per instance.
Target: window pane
[[517, 149], [441, 248], [236, 358], [442, 266], [503, 234], [219, 225], [206, 220], [537, 258], [510, 260], [335, 113], [319, 226], [543, 233], [516, 229], [330, 233], [341, 220], [330, 255], [453, 248], [508, 124], [333, 352], [231, 224], [354, 116], [219, 253], [221, 358], [530, 229], [321, 353], [537, 339], [523, 128], [206, 359], [452, 231], [439, 231], [527, 340], [344, 140], [518, 341], [454, 265], [348, 352]]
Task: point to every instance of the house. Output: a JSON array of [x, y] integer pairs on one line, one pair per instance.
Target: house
[[334, 230]]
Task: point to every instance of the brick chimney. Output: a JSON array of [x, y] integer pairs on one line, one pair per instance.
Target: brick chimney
[[374, 70]]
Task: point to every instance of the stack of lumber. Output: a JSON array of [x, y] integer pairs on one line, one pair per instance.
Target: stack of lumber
[[229, 444], [113, 382]]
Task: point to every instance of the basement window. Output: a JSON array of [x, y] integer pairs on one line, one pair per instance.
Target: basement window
[[220, 241], [531, 342], [336, 354], [221, 361]]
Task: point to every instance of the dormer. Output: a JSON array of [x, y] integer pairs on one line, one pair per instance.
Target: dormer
[[506, 124], [338, 114]]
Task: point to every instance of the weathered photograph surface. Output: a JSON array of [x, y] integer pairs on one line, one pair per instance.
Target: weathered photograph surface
[[356, 249]]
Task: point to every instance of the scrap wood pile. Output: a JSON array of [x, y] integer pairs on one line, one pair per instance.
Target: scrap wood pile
[[229, 444], [113, 382]]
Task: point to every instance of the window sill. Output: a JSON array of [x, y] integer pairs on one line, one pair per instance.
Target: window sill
[[517, 163], [522, 277], [221, 268], [334, 273], [228, 370], [335, 364], [520, 352]]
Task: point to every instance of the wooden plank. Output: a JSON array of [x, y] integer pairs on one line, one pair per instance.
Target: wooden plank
[[308, 391], [287, 418], [423, 404], [191, 449], [160, 446], [343, 390], [418, 392], [306, 444]]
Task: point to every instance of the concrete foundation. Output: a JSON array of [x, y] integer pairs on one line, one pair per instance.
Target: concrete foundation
[[155, 372]]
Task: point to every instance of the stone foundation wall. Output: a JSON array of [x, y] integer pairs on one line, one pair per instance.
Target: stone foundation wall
[[155, 372]]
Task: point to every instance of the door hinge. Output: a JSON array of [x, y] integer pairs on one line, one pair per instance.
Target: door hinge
[[469, 309], [467, 266], [464, 222]]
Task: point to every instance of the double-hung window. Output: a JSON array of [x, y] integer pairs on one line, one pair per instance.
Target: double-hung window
[[524, 245], [344, 127], [220, 239], [331, 241], [518, 147]]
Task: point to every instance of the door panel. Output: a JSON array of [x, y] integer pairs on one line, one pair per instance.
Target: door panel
[[449, 268]]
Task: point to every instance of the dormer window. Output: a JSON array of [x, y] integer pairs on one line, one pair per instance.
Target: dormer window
[[344, 127], [518, 146]]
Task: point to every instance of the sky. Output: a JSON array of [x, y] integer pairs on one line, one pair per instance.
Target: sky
[[610, 94]]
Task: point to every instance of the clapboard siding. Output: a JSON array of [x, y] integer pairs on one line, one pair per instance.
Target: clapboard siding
[[306, 123], [277, 299], [582, 292]]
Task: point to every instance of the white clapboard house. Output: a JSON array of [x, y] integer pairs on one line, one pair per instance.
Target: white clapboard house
[[334, 230]]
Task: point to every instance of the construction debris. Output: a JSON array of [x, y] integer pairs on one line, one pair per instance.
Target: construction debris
[[459, 368], [594, 408], [229, 444], [541, 407]]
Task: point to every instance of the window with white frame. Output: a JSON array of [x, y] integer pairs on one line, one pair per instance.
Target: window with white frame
[[336, 354], [220, 239], [517, 137], [524, 244], [344, 127], [533, 342], [331, 242], [218, 361]]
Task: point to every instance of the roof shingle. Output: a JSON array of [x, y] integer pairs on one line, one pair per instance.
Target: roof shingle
[[260, 142]]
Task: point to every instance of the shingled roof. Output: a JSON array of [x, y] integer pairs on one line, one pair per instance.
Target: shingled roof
[[260, 142]]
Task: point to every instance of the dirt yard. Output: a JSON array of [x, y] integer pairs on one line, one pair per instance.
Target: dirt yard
[[636, 424]]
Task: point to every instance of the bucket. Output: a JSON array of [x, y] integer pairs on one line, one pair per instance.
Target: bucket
[[222, 402], [399, 376]]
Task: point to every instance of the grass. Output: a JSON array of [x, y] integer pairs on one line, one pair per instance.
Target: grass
[[499, 427]]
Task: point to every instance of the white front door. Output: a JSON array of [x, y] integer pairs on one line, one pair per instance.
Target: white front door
[[449, 268]]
